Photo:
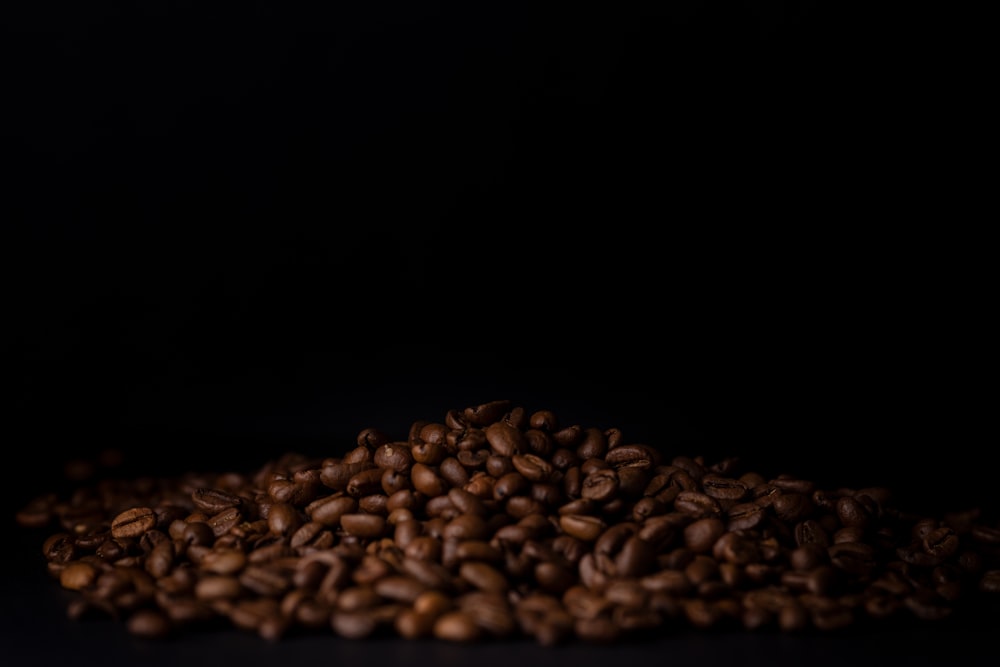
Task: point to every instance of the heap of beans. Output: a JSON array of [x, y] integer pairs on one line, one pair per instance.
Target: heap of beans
[[498, 523]]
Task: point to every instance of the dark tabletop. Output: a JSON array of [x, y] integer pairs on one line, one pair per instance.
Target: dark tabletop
[[254, 228]]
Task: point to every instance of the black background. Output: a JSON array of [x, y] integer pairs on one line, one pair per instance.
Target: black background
[[727, 228]]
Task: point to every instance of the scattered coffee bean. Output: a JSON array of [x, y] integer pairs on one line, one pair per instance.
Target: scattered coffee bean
[[496, 522]]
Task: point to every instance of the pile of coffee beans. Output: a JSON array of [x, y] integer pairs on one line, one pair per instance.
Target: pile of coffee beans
[[499, 523]]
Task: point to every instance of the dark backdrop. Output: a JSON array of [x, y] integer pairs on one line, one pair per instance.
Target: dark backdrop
[[726, 228]]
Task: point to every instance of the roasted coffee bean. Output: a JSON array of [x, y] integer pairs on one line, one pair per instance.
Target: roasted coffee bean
[[582, 527], [483, 576], [457, 626], [329, 509], [149, 624], [700, 535], [466, 527], [213, 501], [745, 516], [792, 507], [160, 561], [215, 587], [723, 488], [466, 438], [855, 558], [600, 485], [427, 481], [395, 456], [365, 526], [990, 581], [224, 561], [283, 519], [77, 576], [453, 472], [505, 440], [133, 522], [224, 521], [495, 522], [353, 624], [697, 504], [519, 507]]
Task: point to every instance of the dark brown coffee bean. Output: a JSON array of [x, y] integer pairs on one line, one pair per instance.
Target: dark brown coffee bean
[[374, 503], [160, 560], [985, 534], [399, 588], [366, 526], [505, 440], [733, 548], [511, 484], [792, 507], [486, 413], [483, 576], [697, 504], [599, 630], [213, 501], [855, 558], [466, 502], [810, 531], [149, 624], [457, 626], [941, 542], [428, 453], [305, 534], [78, 576], [224, 521], [428, 572], [601, 485], [635, 558], [700, 535], [745, 516], [215, 587], [817, 581], [223, 561], [466, 527], [990, 582], [365, 482], [353, 624], [723, 488], [411, 624], [329, 509], [372, 438], [481, 485], [520, 507], [283, 519], [395, 456], [807, 557], [427, 481], [133, 522], [582, 527], [532, 467], [539, 442]]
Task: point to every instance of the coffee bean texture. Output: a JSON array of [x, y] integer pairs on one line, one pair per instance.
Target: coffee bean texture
[[495, 523]]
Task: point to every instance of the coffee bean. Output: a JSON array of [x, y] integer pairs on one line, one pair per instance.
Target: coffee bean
[[215, 587], [224, 521], [586, 528], [77, 576], [457, 626], [149, 624], [133, 522], [213, 501], [224, 561], [497, 522], [366, 526]]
